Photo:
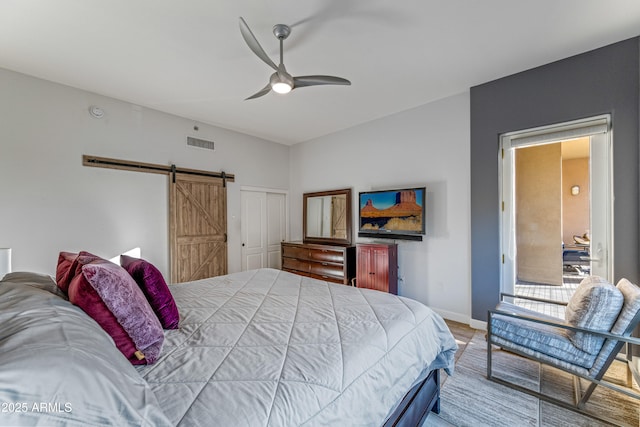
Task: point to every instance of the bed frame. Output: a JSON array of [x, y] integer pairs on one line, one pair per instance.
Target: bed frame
[[414, 408]]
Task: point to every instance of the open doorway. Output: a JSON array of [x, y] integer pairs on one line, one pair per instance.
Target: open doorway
[[552, 200], [557, 208]]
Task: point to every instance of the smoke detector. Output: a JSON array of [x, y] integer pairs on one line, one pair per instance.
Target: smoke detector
[[96, 112]]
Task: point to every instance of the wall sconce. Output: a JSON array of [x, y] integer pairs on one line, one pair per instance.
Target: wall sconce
[[575, 190], [5, 261]]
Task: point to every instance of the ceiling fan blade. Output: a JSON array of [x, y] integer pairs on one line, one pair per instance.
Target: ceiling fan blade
[[253, 44], [302, 81], [265, 90]]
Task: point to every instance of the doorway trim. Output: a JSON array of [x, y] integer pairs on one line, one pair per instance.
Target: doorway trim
[[599, 126]]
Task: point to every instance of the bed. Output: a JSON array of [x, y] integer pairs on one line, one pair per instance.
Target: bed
[[255, 348]]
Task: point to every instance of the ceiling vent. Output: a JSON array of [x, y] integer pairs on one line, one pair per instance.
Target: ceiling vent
[[200, 143]]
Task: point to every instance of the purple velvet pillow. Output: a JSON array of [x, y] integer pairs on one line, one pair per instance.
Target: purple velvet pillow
[[107, 293], [150, 280]]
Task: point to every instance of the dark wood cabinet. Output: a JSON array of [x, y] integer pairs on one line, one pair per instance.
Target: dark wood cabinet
[[324, 262], [377, 266]]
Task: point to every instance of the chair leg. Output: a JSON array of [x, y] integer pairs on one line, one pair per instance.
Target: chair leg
[[575, 408], [583, 397], [580, 397], [629, 354], [488, 338], [577, 392]]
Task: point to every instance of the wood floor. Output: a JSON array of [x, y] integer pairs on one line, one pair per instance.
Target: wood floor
[[469, 399], [463, 335]]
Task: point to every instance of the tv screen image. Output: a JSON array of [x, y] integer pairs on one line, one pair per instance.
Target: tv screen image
[[392, 213]]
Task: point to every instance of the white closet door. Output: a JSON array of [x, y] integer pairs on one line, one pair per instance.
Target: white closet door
[[254, 229], [263, 228], [276, 228]]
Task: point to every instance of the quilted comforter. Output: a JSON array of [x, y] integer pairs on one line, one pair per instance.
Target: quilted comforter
[[270, 348]]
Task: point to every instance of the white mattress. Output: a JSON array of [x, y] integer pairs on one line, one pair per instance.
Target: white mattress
[[271, 348]]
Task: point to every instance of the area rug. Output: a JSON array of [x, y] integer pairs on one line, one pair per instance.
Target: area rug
[[469, 399]]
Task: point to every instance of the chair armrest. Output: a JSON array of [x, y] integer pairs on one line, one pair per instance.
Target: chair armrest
[[548, 301], [608, 335]]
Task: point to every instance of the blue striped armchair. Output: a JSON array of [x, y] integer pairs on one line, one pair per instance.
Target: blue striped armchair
[[599, 319]]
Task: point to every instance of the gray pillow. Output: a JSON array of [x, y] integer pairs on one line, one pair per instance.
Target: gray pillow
[[60, 368], [595, 305], [630, 308], [36, 280]]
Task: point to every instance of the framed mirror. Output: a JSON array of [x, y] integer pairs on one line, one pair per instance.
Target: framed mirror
[[326, 217]]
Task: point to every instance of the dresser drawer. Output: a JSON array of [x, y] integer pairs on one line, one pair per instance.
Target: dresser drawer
[[324, 269], [296, 264], [327, 255], [295, 252], [329, 263]]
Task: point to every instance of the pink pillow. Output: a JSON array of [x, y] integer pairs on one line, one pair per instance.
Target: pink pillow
[[63, 269], [69, 265], [150, 280], [107, 293]]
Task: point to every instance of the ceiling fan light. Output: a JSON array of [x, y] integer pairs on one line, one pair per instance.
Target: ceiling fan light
[[281, 87]]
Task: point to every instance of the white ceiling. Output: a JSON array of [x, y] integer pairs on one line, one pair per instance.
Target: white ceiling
[[187, 57]]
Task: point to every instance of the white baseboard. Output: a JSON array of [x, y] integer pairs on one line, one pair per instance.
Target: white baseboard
[[450, 315], [478, 324], [461, 318]]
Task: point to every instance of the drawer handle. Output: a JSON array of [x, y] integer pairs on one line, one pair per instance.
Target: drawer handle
[[324, 263]]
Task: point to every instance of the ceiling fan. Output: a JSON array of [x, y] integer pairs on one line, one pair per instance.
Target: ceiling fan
[[281, 81]]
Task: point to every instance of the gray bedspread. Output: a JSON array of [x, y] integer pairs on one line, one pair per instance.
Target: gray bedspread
[[257, 348], [270, 348]]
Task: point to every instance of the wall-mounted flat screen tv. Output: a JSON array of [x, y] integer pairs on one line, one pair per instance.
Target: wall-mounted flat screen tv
[[392, 214]]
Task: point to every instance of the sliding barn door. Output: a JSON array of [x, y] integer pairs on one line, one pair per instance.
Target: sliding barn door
[[197, 227]]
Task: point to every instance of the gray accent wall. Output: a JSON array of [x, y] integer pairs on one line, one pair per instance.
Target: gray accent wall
[[601, 81]]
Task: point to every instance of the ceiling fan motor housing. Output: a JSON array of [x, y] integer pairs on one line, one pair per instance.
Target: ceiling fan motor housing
[[281, 31]]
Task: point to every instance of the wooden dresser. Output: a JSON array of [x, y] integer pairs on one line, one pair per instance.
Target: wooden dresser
[[325, 262], [378, 267]]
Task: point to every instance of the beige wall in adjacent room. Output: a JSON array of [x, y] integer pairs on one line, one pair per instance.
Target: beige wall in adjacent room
[[539, 214], [575, 209]]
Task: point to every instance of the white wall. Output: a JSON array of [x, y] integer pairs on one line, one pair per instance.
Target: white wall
[[50, 202], [428, 145]]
